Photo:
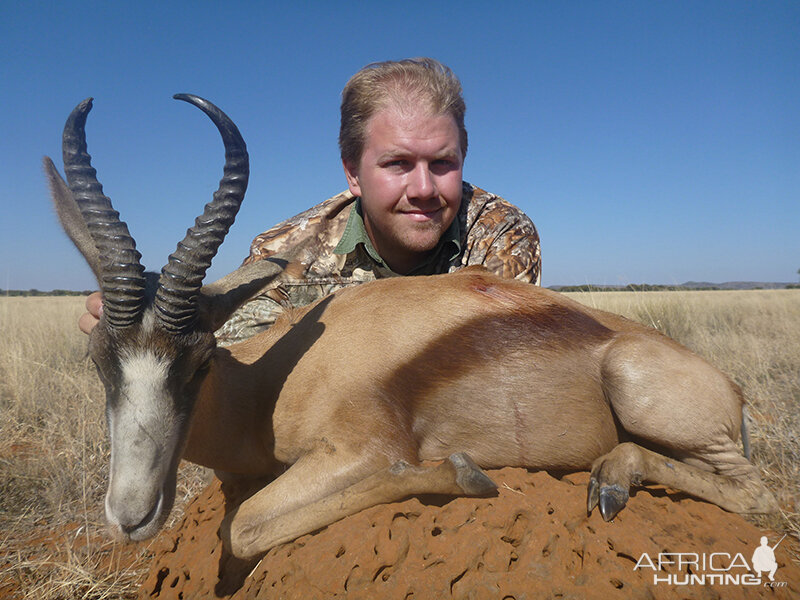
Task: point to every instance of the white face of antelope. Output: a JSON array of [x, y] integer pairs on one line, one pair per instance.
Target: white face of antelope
[[152, 379]]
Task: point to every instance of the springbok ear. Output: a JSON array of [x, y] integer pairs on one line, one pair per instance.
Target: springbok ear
[[71, 219], [218, 300]]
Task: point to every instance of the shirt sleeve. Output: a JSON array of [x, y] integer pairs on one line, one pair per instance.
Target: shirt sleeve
[[504, 240], [253, 317], [302, 239], [516, 253]]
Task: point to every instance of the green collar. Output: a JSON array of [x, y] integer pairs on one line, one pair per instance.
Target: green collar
[[355, 233]]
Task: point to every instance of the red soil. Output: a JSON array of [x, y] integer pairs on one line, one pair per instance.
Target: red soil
[[534, 540]]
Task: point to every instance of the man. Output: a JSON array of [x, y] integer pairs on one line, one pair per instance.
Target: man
[[406, 211]]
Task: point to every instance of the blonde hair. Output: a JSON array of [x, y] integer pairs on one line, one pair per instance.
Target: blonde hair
[[412, 80]]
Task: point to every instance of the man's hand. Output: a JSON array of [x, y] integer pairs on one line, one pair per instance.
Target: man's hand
[[94, 306]]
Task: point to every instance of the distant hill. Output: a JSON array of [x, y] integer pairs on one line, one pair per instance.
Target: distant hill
[[738, 285], [689, 285]]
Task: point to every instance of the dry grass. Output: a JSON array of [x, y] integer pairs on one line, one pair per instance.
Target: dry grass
[[754, 337], [53, 462], [53, 450]]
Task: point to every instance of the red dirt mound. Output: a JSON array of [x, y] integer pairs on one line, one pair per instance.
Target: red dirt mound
[[534, 540]]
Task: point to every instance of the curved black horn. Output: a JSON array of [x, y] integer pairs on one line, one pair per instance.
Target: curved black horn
[[122, 279], [182, 276]]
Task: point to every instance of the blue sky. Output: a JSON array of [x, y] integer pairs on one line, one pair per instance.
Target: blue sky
[[650, 142]]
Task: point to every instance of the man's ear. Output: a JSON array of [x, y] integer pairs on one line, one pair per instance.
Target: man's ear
[[351, 173]]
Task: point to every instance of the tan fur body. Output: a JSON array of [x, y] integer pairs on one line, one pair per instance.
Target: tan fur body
[[415, 369], [455, 369]]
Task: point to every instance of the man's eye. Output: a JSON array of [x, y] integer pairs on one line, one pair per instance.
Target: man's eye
[[443, 165], [397, 162]]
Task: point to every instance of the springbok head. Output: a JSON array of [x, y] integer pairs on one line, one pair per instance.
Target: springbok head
[[155, 338]]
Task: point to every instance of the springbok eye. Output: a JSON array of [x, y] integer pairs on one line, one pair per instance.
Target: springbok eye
[[203, 368], [107, 382]]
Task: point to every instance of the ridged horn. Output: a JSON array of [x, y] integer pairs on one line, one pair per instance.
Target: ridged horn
[[122, 280], [182, 276]]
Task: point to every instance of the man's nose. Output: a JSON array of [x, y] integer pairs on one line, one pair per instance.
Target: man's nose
[[421, 182]]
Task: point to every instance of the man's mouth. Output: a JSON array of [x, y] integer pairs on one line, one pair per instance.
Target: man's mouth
[[422, 215]]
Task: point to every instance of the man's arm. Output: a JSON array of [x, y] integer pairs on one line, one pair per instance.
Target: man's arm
[[256, 315], [502, 238], [303, 238], [516, 254]]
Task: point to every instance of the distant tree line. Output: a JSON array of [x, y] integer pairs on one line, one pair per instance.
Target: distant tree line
[[631, 287], [646, 287], [35, 292]]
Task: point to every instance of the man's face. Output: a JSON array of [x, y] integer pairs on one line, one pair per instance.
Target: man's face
[[409, 181]]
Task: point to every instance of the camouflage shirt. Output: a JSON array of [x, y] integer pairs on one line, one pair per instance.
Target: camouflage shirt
[[330, 240]]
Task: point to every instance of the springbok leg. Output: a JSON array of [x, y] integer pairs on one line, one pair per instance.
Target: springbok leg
[[630, 464], [251, 532]]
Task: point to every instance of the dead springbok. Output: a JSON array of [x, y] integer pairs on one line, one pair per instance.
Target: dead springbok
[[353, 392]]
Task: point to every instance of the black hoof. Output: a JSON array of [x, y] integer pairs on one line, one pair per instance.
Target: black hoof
[[592, 495], [612, 500], [469, 476]]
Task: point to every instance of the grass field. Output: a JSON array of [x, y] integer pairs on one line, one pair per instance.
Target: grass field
[[53, 449]]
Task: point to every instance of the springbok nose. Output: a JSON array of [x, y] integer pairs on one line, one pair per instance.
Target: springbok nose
[[133, 525], [127, 511], [132, 513]]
